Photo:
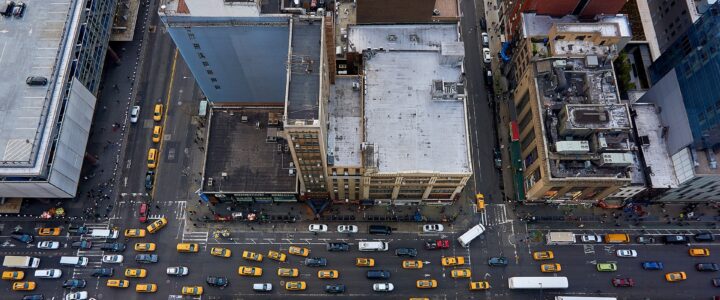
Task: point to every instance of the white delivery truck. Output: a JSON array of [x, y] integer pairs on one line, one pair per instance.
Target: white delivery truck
[[471, 234], [560, 238], [104, 233], [23, 262], [373, 246]]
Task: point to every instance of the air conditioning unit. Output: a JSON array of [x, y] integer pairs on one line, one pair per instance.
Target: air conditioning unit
[[572, 147], [616, 159]]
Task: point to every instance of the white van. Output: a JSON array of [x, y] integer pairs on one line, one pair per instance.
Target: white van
[[105, 233], [76, 261], [373, 246], [48, 273], [471, 234]]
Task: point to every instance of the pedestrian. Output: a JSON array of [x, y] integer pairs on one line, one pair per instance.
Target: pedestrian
[[157, 206]]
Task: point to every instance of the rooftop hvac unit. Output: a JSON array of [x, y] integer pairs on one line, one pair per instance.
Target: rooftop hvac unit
[[616, 159], [210, 181], [560, 63], [572, 147]]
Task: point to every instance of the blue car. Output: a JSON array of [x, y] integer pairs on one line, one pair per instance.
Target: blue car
[[652, 265]]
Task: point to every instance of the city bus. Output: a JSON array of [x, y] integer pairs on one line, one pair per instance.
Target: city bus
[[538, 282]]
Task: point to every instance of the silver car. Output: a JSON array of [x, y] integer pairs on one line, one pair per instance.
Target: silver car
[[82, 295], [48, 245], [347, 229], [134, 114], [383, 287], [177, 271]]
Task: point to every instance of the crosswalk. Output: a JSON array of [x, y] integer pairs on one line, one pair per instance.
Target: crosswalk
[[195, 236], [90, 253], [494, 214]]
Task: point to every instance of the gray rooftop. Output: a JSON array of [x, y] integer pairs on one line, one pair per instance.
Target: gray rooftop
[[410, 131], [304, 87], [345, 122], [30, 46], [427, 37], [654, 148], [244, 150]]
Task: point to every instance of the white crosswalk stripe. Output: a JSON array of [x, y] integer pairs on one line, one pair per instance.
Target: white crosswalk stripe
[[156, 217], [92, 252], [195, 236]]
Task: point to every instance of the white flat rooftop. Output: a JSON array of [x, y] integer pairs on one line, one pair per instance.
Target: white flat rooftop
[[647, 122], [30, 46], [345, 122], [401, 37], [412, 132]]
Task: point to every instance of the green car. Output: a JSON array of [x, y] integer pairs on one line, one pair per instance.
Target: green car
[[607, 267]]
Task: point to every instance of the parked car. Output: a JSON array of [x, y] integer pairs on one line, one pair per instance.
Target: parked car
[[433, 228], [149, 179], [485, 39], [652, 265], [177, 271], [103, 272], [379, 229], [645, 240], [36, 80], [704, 237], [347, 229], [334, 288], [623, 282], [134, 114], [217, 281], [498, 261], [317, 228], [675, 239], [83, 245], [34, 297], [626, 253], [406, 252], [48, 245], [22, 237], [143, 212], [316, 262], [333, 247], [707, 267], [74, 283], [487, 58], [591, 238], [437, 244]]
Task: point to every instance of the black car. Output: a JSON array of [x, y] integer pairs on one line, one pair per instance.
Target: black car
[[74, 283], [217, 281], [675, 239], [378, 274], [19, 10], [338, 247], [498, 261], [103, 272], [379, 229], [23, 237], [406, 252], [704, 237], [707, 267], [84, 245], [335, 288], [316, 262], [36, 80], [716, 282], [33, 297], [78, 229], [113, 247], [149, 180], [146, 258]]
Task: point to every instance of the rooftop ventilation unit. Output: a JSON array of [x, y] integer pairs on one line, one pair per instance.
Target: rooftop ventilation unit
[[572, 147], [616, 159]]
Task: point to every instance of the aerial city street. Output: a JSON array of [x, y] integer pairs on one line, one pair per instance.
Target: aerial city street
[[394, 149]]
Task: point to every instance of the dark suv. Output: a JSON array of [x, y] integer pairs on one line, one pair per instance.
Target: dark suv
[[36, 80], [338, 247], [316, 262], [217, 281], [704, 237], [379, 229], [498, 261], [334, 288], [707, 267], [406, 252], [74, 283], [22, 237], [675, 239], [146, 258], [378, 274], [103, 272], [113, 247]]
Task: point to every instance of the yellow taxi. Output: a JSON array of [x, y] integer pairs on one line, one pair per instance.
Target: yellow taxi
[[118, 283], [23, 286], [675, 276], [192, 290], [452, 261], [412, 264], [252, 256], [157, 225], [249, 271], [699, 252], [13, 275], [55, 231], [157, 112], [479, 201], [328, 274], [135, 273], [543, 255], [220, 252], [157, 132], [152, 159], [299, 251], [188, 247], [426, 284], [479, 285], [145, 247], [460, 273], [288, 272], [295, 285], [550, 268], [364, 262], [275, 255], [146, 287], [137, 233]]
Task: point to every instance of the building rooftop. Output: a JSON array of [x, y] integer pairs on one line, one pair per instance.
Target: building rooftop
[[539, 25], [345, 122], [212, 8], [304, 87], [401, 37], [33, 45], [246, 154], [650, 132]]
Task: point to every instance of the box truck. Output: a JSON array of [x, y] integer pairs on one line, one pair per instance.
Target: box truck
[[24, 262]]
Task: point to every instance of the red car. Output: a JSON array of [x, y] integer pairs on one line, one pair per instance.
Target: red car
[[143, 212], [623, 282], [437, 244]]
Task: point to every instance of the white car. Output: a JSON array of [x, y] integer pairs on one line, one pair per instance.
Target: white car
[[177, 271], [486, 55], [433, 228], [48, 273], [626, 253], [48, 245], [77, 296], [112, 259], [383, 287], [485, 39], [347, 229], [134, 114], [317, 228], [591, 238]]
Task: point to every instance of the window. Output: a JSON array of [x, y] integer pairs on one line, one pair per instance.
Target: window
[[217, 87], [213, 79], [196, 45], [210, 72], [206, 64]]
